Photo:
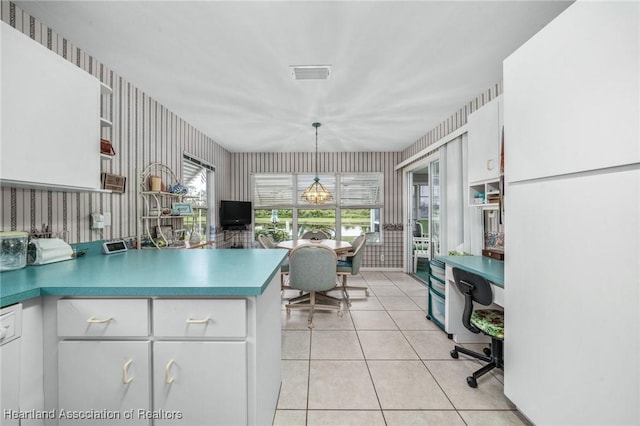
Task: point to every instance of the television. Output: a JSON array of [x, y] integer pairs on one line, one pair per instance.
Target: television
[[235, 215]]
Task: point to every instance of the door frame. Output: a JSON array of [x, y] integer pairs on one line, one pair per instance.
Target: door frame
[[407, 187]]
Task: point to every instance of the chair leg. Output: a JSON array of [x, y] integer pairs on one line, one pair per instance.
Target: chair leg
[[346, 287], [494, 361]]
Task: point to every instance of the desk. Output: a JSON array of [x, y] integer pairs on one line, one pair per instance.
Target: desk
[[492, 270], [337, 246]]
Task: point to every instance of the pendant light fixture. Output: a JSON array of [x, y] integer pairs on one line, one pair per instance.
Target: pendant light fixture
[[316, 193]]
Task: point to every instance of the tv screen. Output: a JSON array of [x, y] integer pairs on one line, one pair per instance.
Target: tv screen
[[235, 214]]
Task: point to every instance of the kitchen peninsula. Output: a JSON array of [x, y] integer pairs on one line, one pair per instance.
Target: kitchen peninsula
[[194, 333]]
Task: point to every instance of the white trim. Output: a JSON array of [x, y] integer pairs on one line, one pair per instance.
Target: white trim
[[443, 141]]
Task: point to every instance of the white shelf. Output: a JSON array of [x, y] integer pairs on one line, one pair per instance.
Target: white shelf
[[106, 157], [105, 90], [105, 123]]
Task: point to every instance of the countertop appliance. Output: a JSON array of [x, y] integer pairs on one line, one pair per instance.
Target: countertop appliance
[[48, 250]]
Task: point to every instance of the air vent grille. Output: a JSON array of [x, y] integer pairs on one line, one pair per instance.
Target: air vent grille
[[310, 72]]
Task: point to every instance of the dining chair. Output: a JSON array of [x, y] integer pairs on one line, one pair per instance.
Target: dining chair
[[312, 269], [477, 289], [315, 234], [420, 250], [266, 241], [351, 266]]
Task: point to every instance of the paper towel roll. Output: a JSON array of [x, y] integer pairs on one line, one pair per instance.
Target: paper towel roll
[[49, 250]]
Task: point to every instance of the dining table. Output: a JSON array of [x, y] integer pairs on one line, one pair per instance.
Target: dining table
[[338, 246]]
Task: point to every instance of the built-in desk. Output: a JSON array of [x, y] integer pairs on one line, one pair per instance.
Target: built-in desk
[[492, 270]]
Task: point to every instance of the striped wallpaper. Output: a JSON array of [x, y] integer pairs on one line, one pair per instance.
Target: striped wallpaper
[[454, 122], [144, 131]]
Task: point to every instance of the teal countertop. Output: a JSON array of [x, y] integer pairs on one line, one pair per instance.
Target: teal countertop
[[173, 273], [491, 269]]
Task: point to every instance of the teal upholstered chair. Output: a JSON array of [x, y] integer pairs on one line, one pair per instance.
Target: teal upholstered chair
[[312, 269], [351, 266], [488, 321], [267, 242]]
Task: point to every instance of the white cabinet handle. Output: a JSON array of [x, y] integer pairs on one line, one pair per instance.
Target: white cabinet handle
[[197, 321], [125, 379], [94, 320], [167, 378]]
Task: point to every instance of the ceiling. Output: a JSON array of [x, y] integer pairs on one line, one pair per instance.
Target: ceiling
[[398, 68]]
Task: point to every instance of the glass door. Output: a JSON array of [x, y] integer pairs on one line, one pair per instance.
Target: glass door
[[424, 227]]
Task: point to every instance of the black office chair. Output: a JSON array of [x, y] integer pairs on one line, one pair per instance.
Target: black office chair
[[488, 321]]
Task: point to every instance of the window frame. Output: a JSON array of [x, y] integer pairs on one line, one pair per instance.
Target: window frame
[[337, 205]]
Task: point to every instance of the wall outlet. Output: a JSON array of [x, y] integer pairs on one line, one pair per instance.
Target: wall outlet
[[382, 258], [107, 218]]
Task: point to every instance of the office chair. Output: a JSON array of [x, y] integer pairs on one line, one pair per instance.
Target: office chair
[[488, 321], [315, 235], [351, 266], [312, 269]]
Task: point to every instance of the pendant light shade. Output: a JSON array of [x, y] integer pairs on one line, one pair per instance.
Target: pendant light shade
[[316, 193]]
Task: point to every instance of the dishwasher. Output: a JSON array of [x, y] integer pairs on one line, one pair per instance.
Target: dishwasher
[[10, 330]]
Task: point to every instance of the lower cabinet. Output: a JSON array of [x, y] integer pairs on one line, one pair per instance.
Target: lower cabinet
[[200, 383], [103, 382], [154, 362]]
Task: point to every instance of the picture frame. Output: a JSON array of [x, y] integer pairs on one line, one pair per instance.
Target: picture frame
[[182, 209]]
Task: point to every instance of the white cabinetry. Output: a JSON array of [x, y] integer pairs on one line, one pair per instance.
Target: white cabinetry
[[484, 140], [50, 112], [10, 330], [213, 361], [108, 378], [206, 382]]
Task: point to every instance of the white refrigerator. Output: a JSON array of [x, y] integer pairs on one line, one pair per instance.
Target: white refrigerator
[[572, 208]]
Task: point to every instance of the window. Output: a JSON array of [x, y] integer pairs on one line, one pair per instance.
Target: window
[[275, 222], [198, 177], [361, 206], [356, 207]]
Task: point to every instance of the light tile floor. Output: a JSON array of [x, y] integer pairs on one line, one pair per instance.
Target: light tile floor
[[382, 363]]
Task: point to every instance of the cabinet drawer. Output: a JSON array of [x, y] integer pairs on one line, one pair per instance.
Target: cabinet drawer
[[103, 317], [200, 318]]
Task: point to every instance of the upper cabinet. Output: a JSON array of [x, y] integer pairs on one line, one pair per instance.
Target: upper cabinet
[[484, 140], [50, 115]]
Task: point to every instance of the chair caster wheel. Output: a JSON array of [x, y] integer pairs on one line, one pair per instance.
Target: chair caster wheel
[[471, 381], [487, 351], [454, 354]]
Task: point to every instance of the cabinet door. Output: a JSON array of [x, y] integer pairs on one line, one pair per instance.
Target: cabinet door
[[484, 142], [44, 140], [106, 378], [10, 382], [200, 383]]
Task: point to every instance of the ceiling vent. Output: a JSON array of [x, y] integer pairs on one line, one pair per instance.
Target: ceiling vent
[[310, 72]]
